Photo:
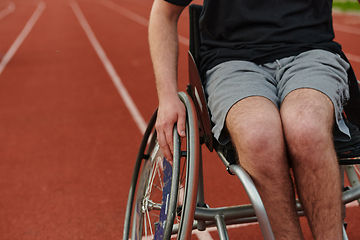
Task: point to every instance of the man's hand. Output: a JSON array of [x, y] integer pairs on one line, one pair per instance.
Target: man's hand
[[169, 113], [163, 41]]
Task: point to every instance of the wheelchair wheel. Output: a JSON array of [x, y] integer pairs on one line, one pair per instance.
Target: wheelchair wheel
[[162, 195]]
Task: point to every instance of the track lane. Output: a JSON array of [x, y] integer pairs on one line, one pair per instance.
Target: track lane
[[64, 137]]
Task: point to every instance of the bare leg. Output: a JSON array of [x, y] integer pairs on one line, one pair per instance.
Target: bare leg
[[307, 117], [255, 127]]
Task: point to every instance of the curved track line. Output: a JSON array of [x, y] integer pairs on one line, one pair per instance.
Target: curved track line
[[109, 68], [7, 10], [137, 18], [347, 29], [353, 57], [19, 40], [127, 13]]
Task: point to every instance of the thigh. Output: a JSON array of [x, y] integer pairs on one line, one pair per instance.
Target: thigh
[[230, 82], [307, 117], [255, 127], [253, 117], [318, 70], [304, 107]]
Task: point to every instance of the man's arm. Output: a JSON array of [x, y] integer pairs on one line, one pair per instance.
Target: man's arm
[[163, 40]]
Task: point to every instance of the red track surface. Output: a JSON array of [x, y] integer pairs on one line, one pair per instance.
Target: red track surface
[[67, 140]]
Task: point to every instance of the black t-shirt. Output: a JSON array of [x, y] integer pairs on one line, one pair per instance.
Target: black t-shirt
[[262, 31]]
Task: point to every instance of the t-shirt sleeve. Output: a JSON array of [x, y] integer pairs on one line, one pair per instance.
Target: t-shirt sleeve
[[179, 2]]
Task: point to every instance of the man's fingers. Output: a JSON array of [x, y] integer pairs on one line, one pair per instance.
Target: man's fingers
[[168, 115], [164, 146], [181, 126], [169, 137]]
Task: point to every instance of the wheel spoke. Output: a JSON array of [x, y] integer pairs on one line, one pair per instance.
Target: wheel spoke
[[150, 225]]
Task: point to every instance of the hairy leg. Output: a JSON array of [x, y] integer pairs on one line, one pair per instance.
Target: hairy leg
[[255, 127], [307, 117]]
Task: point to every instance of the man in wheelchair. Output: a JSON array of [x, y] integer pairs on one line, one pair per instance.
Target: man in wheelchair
[[276, 86]]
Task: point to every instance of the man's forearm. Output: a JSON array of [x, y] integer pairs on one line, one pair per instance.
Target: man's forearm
[[163, 43]]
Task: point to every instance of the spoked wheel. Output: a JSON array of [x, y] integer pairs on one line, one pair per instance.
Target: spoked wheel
[[153, 197], [163, 193]]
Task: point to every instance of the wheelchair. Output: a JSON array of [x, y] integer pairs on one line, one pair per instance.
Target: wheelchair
[[166, 199]]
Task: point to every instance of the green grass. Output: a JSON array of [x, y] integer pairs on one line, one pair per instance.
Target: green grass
[[347, 5]]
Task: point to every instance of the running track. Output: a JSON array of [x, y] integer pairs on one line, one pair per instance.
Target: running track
[[76, 90]]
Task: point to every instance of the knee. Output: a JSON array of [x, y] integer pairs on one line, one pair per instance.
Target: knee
[[307, 123], [306, 135], [262, 152], [262, 143]]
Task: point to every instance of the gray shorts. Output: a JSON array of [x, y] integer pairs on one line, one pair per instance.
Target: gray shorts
[[231, 81]]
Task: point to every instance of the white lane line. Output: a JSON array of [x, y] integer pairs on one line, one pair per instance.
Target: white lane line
[[9, 9], [203, 235], [352, 204], [109, 68], [137, 18], [241, 225], [127, 13], [353, 57], [347, 29], [29, 25]]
